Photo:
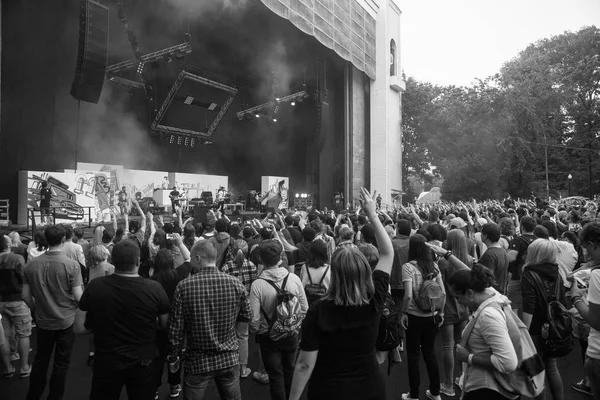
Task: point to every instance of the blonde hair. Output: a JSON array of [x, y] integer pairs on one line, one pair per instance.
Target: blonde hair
[[456, 242], [389, 229], [541, 251], [351, 278], [98, 254]]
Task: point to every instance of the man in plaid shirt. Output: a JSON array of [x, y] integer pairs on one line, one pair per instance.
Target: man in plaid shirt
[[206, 307]]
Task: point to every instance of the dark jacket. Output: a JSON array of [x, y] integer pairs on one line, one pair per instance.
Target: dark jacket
[[533, 299]]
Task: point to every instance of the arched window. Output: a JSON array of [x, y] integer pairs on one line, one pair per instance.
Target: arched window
[[392, 58]]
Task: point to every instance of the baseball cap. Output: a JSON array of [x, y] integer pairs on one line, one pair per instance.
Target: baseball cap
[[270, 252], [458, 222]]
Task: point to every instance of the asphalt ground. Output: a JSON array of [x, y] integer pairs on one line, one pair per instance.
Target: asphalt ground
[[80, 377]]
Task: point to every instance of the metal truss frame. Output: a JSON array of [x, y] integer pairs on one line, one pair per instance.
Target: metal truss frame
[[250, 112], [183, 48], [184, 75]]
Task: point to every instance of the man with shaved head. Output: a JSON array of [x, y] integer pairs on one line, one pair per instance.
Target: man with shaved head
[[205, 308]]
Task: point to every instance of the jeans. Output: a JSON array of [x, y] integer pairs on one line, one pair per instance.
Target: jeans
[[279, 358], [592, 371], [111, 373], [420, 337], [61, 342], [451, 334], [241, 331], [228, 383], [553, 377]]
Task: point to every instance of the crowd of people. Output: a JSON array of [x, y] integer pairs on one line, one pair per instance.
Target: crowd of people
[[328, 297]]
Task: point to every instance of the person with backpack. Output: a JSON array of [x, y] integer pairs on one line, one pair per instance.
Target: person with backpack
[[340, 332], [278, 305], [486, 347], [588, 305], [542, 286], [517, 255], [316, 272], [422, 315]]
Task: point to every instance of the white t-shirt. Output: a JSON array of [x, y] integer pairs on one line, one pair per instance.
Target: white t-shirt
[[593, 350]]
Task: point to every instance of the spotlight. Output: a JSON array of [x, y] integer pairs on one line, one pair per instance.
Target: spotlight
[[179, 140], [276, 98], [293, 103], [274, 119], [140, 68], [172, 139], [297, 195], [257, 115]]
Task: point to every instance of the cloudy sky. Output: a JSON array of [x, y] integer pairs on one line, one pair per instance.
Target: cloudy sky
[[454, 41]]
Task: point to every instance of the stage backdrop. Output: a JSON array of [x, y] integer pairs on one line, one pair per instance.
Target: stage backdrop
[[272, 186], [91, 194]]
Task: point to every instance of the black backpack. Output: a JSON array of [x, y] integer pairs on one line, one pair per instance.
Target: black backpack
[[314, 291], [557, 331], [388, 337]]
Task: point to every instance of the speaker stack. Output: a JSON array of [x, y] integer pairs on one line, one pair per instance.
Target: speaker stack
[[93, 51]]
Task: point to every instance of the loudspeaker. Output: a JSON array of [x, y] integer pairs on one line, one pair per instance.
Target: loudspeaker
[[92, 53]]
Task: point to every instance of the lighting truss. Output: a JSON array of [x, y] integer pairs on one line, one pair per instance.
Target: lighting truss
[[183, 75], [125, 82], [183, 48], [253, 111]]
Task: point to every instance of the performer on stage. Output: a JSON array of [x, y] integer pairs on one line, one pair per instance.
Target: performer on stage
[[221, 199], [45, 196], [123, 202], [174, 196]]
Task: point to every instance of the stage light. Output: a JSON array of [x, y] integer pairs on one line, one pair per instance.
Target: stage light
[[192, 142], [274, 119], [257, 115], [179, 140], [276, 98], [293, 103], [168, 58], [140, 68], [297, 195], [172, 139]]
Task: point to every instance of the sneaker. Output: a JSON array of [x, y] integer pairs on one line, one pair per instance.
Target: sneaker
[[15, 357], [406, 396], [156, 395], [9, 374], [261, 377], [25, 372], [90, 360], [175, 391], [432, 397], [448, 390], [245, 372], [582, 388]]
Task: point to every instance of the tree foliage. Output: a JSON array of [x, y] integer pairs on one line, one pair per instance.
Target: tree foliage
[[490, 138]]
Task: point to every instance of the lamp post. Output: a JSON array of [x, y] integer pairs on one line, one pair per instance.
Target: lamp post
[[569, 180]]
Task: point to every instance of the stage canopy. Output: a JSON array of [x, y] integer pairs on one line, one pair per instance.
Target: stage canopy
[[341, 25]]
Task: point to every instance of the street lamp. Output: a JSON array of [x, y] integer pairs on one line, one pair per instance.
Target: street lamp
[[569, 180]]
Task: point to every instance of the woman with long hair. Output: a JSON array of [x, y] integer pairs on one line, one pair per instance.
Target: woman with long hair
[[488, 346], [337, 351], [97, 235], [37, 246], [455, 314], [421, 325], [168, 276], [246, 272], [539, 283], [189, 236]]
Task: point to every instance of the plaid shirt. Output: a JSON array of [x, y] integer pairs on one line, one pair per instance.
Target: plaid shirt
[[246, 274], [206, 307]]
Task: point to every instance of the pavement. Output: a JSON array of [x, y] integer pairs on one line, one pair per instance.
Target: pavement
[[80, 377]]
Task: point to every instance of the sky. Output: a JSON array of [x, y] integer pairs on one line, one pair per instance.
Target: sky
[[452, 42]]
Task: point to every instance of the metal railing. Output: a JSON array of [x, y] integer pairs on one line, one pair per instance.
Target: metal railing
[[32, 212]]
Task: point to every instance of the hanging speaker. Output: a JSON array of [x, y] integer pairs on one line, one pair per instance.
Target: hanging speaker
[[92, 53]]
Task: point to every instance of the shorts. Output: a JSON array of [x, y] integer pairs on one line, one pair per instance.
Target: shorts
[[16, 314], [45, 210]]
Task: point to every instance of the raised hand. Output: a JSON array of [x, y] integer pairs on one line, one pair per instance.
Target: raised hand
[[367, 202]]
